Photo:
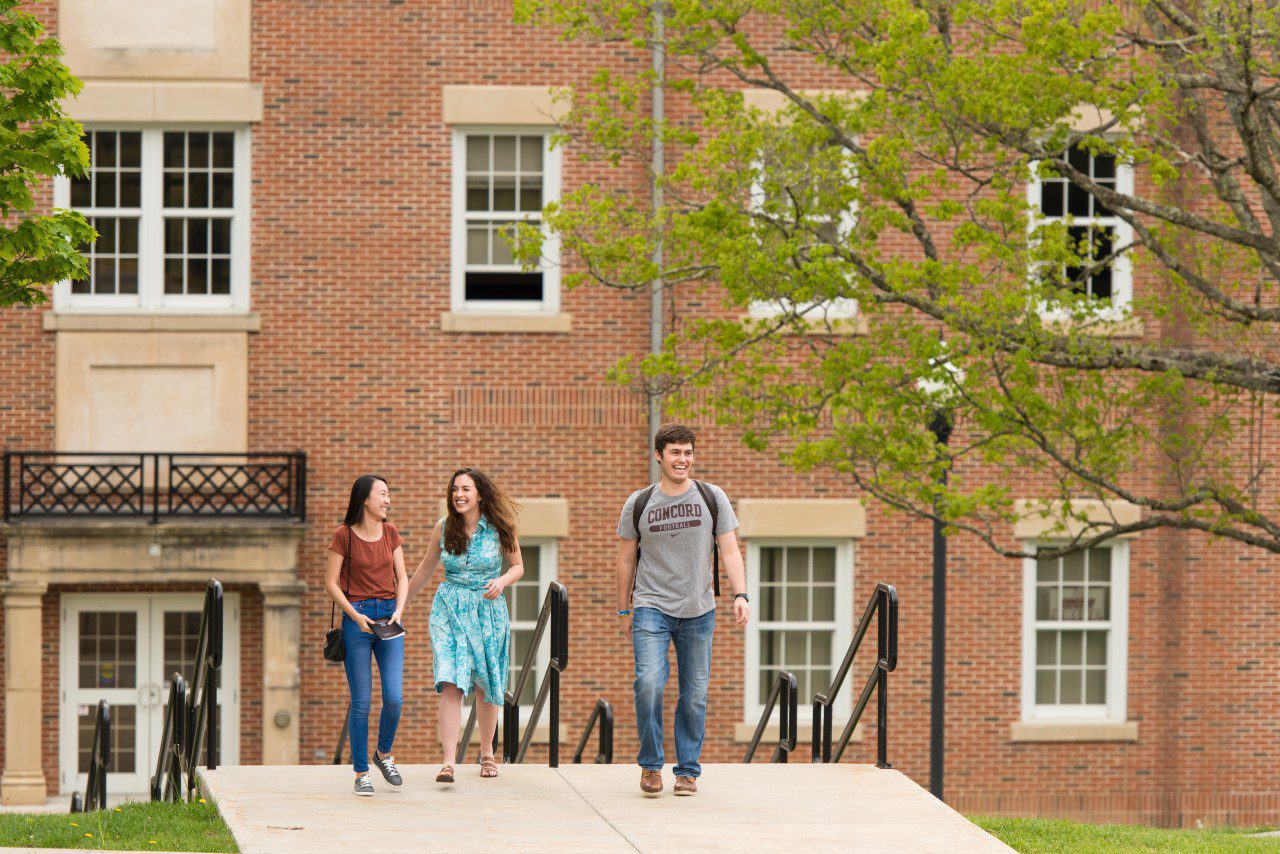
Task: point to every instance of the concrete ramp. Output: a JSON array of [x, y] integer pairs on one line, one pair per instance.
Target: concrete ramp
[[590, 807]]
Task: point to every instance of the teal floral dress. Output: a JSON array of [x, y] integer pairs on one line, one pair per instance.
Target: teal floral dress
[[469, 633]]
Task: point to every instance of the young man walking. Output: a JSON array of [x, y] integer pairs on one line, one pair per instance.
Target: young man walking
[[665, 597]]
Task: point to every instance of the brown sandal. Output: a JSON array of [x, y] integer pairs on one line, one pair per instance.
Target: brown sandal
[[445, 775], [488, 767]]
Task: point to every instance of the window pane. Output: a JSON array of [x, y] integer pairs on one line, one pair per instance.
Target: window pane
[[197, 236], [131, 150], [220, 276], [477, 154], [824, 603], [1073, 567], [221, 236], [81, 192], [130, 189], [1095, 686], [1071, 687], [1046, 647], [770, 643], [105, 153], [1096, 643], [502, 244], [531, 153], [198, 151], [770, 603], [1046, 683], [795, 649], [797, 565], [223, 190], [197, 276], [108, 647], [1046, 603], [1099, 603], [824, 565], [173, 190], [504, 154], [478, 194], [477, 244], [770, 564], [224, 150], [1077, 201], [124, 737], [173, 283], [198, 189], [531, 194], [1052, 194], [1047, 570], [104, 190], [127, 270], [174, 150], [1072, 603], [1072, 647], [820, 648], [504, 193], [1099, 564], [1104, 166]]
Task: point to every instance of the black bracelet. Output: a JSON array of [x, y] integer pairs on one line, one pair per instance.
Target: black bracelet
[[742, 596]]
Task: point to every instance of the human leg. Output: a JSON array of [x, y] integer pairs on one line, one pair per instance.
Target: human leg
[[650, 639], [692, 639]]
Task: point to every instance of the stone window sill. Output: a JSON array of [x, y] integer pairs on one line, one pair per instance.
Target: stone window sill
[[466, 321], [857, 325], [1130, 327], [1078, 732], [804, 732], [157, 322]]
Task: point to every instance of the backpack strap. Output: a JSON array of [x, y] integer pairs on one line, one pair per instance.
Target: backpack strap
[[346, 564], [642, 500], [709, 498]]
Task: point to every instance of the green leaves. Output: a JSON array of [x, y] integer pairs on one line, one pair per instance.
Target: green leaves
[[37, 142]]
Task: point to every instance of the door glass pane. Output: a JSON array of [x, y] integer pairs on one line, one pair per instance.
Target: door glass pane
[[124, 738], [181, 633], [108, 649]]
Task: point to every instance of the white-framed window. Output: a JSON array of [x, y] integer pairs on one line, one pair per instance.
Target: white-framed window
[[524, 601], [171, 207], [802, 618], [1075, 636], [788, 196], [502, 177], [1093, 230]]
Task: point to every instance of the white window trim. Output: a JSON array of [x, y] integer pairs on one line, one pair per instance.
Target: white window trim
[[1121, 270], [151, 297], [550, 267], [1116, 707], [752, 702], [840, 308]]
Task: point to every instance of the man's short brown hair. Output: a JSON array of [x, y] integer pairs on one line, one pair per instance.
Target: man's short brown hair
[[672, 434]]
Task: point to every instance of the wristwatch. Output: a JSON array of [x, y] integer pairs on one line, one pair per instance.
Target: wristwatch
[[742, 596]]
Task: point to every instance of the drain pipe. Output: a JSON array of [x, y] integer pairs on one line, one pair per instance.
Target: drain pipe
[[658, 166]]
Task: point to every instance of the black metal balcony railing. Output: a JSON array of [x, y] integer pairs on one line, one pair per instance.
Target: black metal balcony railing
[[45, 484]]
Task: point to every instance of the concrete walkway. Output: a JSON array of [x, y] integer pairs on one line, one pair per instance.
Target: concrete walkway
[[590, 808]]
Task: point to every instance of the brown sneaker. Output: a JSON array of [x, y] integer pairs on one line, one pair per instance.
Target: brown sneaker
[[651, 783], [686, 786]]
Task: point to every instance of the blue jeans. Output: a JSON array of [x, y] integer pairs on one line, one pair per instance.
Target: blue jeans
[[651, 633], [362, 647]]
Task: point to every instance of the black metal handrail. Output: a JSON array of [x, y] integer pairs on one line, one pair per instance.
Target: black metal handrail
[[95, 792], [166, 783], [63, 484], [784, 688], [555, 611], [884, 606], [342, 737], [602, 714], [201, 725]]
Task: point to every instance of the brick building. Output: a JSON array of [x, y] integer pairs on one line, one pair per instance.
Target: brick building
[[298, 207]]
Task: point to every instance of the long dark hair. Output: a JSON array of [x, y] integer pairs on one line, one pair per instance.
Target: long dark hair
[[495, 505], [359, 495]]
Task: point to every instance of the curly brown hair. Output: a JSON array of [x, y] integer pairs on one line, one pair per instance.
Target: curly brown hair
[[495, 505]]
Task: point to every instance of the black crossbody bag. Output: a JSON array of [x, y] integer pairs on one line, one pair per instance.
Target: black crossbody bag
[[335, 648]]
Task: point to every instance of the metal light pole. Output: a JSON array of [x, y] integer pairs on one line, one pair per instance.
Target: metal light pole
[[941, 428]]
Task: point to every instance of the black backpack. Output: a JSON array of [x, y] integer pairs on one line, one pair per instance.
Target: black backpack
[[708, 498]]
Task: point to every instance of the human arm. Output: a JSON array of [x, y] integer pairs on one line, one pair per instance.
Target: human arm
[[333, 568], [426, 567], [626, 564], [493, 589], [402, 583], [731, 557]]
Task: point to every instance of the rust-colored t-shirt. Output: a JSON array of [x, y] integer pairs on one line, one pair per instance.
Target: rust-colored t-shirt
[[371, 573]]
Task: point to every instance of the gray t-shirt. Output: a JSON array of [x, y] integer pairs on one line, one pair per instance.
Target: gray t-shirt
[[674, 574]]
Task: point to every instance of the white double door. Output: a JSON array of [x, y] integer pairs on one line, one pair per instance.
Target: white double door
[[122, 648]]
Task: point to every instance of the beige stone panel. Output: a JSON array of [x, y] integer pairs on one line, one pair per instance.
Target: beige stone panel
[[773, 101], [1089, 731], [1039, 520], [461, 321], [22, 783], [152, 391], [145, 101], [743, 732], [118, 551], [157, 39], [74, 322], [501, 105], [801, 517], [281, 673], [539, 517]]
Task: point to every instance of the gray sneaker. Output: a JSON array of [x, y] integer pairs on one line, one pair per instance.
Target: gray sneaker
[[364, 786], [387, 765]]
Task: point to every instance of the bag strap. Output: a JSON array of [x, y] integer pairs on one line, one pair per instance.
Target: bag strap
[[637, 511], [346, 564], [709, 498]]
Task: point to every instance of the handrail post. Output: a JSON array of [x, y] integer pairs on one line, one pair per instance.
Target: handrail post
[[6, 487], [882, 689]]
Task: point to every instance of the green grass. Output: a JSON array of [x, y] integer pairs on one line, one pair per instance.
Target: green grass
[[129, 827], [1056, 835]]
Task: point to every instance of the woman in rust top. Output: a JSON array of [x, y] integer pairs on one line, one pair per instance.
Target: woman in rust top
[[365, 576]]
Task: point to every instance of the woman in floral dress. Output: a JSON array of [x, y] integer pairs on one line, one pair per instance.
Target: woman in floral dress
[[470, 629]]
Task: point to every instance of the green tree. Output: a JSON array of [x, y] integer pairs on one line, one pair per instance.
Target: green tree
[[37, 140], [897, 177]]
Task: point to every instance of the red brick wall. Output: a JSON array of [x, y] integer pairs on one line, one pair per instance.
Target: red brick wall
[[350, 275]]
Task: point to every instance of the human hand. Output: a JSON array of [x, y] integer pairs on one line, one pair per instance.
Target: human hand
[[741, 611], [395, 618], [624, 628], [363, 622], [493, 589]]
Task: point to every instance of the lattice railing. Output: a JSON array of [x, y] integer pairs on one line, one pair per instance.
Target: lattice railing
[[47, 484]]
